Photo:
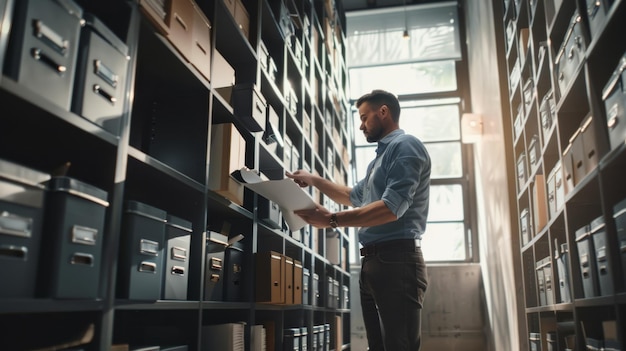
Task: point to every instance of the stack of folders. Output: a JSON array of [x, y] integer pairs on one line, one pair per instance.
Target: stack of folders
[[223, 337]]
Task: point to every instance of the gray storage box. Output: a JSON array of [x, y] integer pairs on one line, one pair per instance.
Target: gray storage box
[[603, 262], [304, 339], [21, 216], [525, 228], [249, 106], [586, 257], [74, 220], [521, 172], [291, 339], [272, 135], [141, 252], [596, 15], [562, 264], [614, 97], [541, 281], [233, 273], [547, 112], [269, 213], [619, 215], [101, 71], [214, 266], [315, 290], [570, 54], [534, 151], [43, 47], [176, 271], [306, 278], [535, 341]]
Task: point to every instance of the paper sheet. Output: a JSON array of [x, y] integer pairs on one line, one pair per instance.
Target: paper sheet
[[284, 192]]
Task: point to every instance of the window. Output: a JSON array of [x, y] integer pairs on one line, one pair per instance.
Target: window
[[423, 72]]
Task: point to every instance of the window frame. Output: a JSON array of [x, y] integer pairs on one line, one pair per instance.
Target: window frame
[[467, 180]]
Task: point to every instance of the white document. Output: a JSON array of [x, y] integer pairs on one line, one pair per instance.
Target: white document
[[284, 192]]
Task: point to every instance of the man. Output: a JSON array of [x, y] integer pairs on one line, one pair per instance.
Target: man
[[390, 207]]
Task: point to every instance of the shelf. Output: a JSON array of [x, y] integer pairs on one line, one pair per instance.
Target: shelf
[[597, 182], [162, 158]]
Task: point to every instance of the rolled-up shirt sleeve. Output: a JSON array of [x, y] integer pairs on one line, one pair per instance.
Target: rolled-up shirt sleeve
[[402, 181], [356, 194]]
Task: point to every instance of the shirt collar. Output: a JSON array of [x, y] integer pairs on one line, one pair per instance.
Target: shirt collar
[[382, 143]]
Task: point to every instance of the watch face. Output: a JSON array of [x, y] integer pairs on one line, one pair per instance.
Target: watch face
[[333, 220]]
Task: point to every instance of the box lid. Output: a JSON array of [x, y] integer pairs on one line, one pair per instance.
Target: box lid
[[21, 174], [78, 188], [145, 210], [93, 22], [179, 223]]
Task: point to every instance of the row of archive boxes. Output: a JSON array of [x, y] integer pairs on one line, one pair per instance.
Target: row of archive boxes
[[186, 27], [550, 278], [154, 254], [51, 234], [224, 268], [596, 266], [297, 339], [281, 279], [70, 58], [614, 97]]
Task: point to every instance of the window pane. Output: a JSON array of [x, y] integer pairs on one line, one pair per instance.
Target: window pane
[[375, 37], [364, 155], [404, 79], [446, 203], [446, 160], [359, 138], [444, 242], [432, 123]]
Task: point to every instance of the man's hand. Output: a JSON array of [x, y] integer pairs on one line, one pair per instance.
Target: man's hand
[[301, 177], [318, 217]]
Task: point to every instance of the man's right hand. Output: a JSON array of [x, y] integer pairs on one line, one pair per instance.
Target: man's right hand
[[301, 177]]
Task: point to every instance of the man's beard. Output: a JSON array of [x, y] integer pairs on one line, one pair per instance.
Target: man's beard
[[373, 136]]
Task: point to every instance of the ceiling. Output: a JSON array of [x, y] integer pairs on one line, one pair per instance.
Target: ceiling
[[353, 5]]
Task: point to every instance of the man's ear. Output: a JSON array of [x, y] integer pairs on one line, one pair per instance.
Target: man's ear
[[384, 111]]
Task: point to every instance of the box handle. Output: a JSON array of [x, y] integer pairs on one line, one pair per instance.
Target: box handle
[[178, 270], [147, 267], [179, 253], [84, 235], [199, 45], [104, 72], [216, 263], [12, 224], [615, 77], [148, 247], [612, 116], [43, 58], [592, 10], [180, 21], [99, 91], [14, 252], [50, 37], [82, 258]]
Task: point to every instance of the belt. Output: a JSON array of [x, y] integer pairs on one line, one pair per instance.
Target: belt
[[399, 245]]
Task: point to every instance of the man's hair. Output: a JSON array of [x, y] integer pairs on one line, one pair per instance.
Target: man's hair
[[377, 98]]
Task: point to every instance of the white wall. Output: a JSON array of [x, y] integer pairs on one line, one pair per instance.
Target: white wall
[[499, 250]]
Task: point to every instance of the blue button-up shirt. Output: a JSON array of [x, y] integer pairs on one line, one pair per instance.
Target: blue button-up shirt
[[400, 176]]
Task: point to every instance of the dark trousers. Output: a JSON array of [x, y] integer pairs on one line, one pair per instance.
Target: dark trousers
[[392, 287]]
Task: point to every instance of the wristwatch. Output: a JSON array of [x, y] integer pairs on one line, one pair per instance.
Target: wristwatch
[[333, 220]]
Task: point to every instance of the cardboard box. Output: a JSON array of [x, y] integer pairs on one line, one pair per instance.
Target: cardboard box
[[228, 153]]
